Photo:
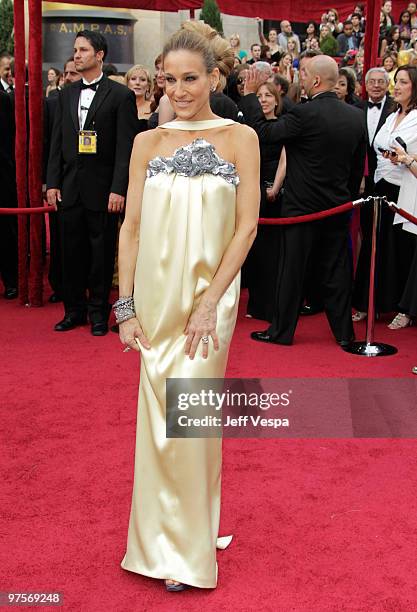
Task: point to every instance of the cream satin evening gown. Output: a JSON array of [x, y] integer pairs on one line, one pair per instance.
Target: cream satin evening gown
[[188, 220]]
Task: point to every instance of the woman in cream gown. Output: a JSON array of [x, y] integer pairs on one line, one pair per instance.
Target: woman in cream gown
[[198, 209]]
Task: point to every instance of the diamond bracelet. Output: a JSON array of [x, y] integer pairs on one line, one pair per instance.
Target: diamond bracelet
[[124, 309]]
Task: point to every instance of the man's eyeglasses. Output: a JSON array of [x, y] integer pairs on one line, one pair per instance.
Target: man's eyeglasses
[[376, 81]]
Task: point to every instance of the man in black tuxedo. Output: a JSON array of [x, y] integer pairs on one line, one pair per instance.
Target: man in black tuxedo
[[8, 199], [325, 141], [377, 108], [88, 181], [6, 83]]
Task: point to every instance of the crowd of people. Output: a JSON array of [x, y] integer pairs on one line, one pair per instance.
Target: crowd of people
[[342, 40], [92, 115]]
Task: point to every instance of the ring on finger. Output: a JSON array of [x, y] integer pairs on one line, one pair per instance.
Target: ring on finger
[[126, 349], [205, 339]]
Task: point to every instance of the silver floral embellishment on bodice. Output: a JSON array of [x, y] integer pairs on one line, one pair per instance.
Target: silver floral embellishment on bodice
[[197, 158]]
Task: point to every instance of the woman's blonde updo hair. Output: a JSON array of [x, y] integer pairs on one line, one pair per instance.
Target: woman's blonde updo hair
[[139, 68], [198, 37]]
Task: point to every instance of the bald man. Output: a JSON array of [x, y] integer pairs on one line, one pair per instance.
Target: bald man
[[325, 142]]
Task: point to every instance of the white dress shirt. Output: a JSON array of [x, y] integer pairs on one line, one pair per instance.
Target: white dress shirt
[[86, 98], [6, 86], [372, 117]]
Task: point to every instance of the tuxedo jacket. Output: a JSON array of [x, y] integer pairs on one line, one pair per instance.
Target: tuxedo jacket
[[223, 106], [387, 109], [325, 141], [92, 177]]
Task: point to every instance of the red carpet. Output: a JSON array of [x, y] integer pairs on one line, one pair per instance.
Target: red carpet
[[319, 525]]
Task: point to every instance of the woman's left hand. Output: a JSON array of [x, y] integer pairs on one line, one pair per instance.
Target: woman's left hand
[[201, 324]]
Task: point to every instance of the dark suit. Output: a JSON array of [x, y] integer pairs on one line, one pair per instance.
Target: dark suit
[[287, 104], [5, 89], [361, 286], [325, 141], [223, 106], [8, 199], [87, 229]]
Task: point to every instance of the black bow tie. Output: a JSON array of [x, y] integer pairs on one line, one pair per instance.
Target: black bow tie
[[92, 86], [373, 104]]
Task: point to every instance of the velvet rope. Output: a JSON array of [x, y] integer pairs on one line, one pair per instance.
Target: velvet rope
[[20, 146], [35, 152], [312, 217], [28, 211], [403, 213], [262, 221]]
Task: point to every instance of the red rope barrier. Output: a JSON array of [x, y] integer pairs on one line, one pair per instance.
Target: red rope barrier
[[403, 213], [312, 217], [27, 211]]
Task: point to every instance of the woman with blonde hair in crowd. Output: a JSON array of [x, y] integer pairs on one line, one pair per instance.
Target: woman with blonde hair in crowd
[[234, 40], [138, 79], [292, 48], [328, 43]]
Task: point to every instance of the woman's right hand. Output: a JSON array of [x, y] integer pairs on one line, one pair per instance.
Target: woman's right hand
[[131, 329]]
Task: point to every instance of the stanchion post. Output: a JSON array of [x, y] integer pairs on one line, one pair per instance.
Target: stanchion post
[[370, 319], [369, 348]]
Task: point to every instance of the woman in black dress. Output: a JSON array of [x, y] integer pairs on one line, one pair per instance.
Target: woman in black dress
[[262, 261], [138, 79]]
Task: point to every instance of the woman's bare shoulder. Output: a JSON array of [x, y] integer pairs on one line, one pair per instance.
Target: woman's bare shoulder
[[240, 131], [148, 142], [243, 139]]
